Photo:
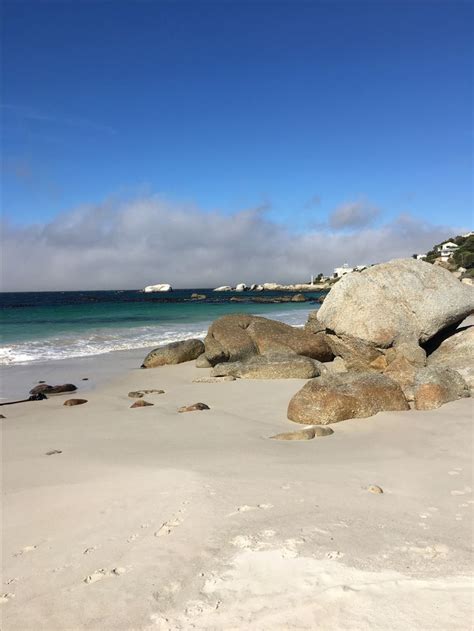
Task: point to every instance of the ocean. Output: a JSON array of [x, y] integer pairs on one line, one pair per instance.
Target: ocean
[[52, 326]]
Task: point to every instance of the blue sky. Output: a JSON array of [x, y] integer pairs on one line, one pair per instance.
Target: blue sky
[[231, 105], [320, 117]]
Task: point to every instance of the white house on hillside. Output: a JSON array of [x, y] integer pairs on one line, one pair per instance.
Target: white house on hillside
[[345, 269], [446, 250]]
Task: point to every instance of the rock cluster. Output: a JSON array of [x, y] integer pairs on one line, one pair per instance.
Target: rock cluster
[[393, 331]]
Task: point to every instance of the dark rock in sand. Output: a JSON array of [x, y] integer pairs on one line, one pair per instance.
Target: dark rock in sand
[[47, 389], [194, 407], [53, 452], [271, 366], [85, 378], [238, 337], [2, 416], [141, 403], [174, 353], [336, 397], [70, 402]]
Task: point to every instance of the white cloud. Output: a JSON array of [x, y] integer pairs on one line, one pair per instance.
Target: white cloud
[[353, 215], [150, 240]]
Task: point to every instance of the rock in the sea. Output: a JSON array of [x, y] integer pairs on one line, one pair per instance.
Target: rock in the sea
[[271, 366], [457, 352], [193, 408], [70, 402], [241, 287], [223, 288], [141, 403], [336, 397], [139, 394], [198, 296], [160, 287], [304, 434], [44, 388], [173, 353], [240, 336], [402, 298], [434, 386], [298, 298], [203, 362]]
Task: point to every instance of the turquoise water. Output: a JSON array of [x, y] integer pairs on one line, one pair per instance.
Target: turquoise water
[[58, 325]]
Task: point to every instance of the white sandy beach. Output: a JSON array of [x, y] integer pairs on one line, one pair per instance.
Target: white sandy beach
[[198, 521]]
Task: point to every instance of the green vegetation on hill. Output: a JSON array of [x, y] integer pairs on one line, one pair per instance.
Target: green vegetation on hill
[[462, 257]]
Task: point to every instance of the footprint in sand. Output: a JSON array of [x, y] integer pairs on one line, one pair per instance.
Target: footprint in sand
[[89, 550], [424, 515], [132, 538], [11, 580], [439, 550], [4, 598], [98, 575], [25, 550], [245, 509], [168, 526], [464, 491], [334, 554]]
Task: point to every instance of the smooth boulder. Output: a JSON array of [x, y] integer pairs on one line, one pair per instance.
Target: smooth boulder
[[457, 352], [337, 397], [434, 386], [173, 353], [402, 298], [240, 336], [273, 366]]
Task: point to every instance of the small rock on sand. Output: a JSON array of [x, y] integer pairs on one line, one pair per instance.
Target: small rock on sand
[[141, 403], [304, 434], [138, 394], [70, 402], [373, 488], [2, 416], [194, 407]]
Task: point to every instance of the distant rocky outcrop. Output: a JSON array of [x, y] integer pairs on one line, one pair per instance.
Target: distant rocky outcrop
[[173, 353], [336, 397], [404, 298], [238, 337], [154, 288]]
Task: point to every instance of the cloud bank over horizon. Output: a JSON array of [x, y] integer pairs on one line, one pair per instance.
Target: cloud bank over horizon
[[131, 244]]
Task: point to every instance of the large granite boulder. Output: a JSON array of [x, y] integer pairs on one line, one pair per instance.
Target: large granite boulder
[[457, 352], [404, 298], [240, 336], [434, 386], [173, 353], [336, 397], [272, 366]]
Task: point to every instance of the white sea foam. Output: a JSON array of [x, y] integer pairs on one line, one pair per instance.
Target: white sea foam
[[106, 340]]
